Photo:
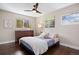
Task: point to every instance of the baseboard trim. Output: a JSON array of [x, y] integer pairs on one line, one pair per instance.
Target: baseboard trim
[[7, 42], [70, 46]]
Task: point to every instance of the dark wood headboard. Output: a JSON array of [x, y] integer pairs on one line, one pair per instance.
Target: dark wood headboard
[[19, 34]]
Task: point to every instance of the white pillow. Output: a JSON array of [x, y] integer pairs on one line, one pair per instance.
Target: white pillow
[[53, 36], [42, 35]]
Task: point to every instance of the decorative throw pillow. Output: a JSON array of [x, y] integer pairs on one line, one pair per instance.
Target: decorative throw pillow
[[47, 36], [51, 36], [54, 36]]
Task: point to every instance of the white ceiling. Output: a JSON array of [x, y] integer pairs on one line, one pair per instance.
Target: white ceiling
[[43, 7]]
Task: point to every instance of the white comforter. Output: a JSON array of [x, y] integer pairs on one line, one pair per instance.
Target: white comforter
[[38, 45]]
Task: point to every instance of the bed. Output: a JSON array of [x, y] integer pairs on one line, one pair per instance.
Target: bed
[[46, 43]]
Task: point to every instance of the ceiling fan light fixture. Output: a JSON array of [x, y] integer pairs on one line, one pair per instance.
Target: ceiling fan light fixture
[[34, 11]]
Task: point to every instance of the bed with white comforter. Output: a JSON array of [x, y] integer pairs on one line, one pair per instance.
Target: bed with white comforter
[[37, 45]]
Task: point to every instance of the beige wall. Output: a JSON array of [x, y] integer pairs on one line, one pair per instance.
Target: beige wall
[[70, 33], [8, 34]]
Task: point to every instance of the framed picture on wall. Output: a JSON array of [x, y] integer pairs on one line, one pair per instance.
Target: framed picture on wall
[[19, 23], [23, 23], [7, 24], [26, 23]]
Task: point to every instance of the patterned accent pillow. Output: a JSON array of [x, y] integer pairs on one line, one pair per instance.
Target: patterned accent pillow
[[47, 36]]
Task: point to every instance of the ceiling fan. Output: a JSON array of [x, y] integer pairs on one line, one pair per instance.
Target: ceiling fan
[[34, 9]]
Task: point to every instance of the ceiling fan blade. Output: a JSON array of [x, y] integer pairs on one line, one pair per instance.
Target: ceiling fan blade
[[38, 12], [27, 10], [36, 5]]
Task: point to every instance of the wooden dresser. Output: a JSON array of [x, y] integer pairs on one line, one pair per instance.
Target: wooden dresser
[[20, 33]]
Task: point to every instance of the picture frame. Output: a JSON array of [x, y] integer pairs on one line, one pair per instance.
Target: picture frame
[[7, 24], [23, 23], [19, 23]]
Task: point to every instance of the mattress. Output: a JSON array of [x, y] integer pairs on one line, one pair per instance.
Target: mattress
[[50, 43]]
